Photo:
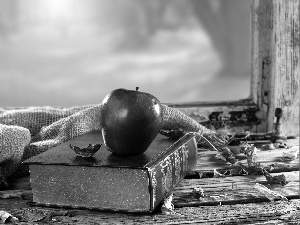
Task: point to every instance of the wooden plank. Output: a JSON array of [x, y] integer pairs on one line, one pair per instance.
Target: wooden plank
[[278, 212], [233, 182], [207, 161], [232, 190], [275, 62], [227, 190]]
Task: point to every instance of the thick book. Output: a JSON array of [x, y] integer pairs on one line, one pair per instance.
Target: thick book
[[108, 181]]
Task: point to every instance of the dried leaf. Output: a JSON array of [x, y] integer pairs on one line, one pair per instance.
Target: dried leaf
[[87, 152], [268, 146], [34, 215], [217, 174], [292, 215], [289, 156], [281, 145], [7, 217], [198, 192], [236, 171], [168, 207], [220, 157], [250, 151], [226, 155], [271, 195], [278, 179], [45, 219]]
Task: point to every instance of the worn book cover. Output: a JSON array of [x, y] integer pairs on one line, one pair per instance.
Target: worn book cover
[[107, 181]]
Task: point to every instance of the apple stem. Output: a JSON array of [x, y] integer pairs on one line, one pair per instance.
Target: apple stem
[[137, 88]]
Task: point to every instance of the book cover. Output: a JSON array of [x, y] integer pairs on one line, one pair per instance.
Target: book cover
[[108, 181]]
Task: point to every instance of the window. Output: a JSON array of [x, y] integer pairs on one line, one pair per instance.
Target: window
[[66, 52]]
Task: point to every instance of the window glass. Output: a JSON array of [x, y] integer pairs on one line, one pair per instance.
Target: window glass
[[74, 52]]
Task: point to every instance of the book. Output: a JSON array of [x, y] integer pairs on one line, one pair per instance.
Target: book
[[108, 181]]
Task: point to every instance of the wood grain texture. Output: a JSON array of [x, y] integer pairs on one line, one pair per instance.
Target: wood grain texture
[[275, 62], [208, 161], [279, 212], [232, 190], [228, 200]]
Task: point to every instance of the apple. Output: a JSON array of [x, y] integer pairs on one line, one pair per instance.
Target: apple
[[130, 121]]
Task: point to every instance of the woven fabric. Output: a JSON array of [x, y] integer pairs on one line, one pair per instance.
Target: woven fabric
[[174, 119], [27, 132], [45, 127]]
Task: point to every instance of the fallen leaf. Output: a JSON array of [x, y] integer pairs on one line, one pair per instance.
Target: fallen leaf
[[226, 155], [168, 207], [7, 217], [271, 195], [198, 192], [268, 146], [237, 170], [250, 151], [217, 174], [281, 145], [289, 156], [293, 215]]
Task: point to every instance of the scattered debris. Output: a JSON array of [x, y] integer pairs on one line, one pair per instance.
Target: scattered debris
[[289, 156], [198, 193], [268, 146], [217, 174], [226, 155], [7, 217], [250, 151], [253, 166], [35, 215], [271, 167], [168, 207], [278, 179], [282, 145], [292, 215], [271, 195], [237, 171]]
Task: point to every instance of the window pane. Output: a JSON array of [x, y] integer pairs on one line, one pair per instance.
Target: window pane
[[74, 52]]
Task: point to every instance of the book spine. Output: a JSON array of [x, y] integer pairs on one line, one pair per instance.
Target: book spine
[[167, 172]]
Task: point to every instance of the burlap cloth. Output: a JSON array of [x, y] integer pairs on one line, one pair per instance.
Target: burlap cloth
[[26, 132]]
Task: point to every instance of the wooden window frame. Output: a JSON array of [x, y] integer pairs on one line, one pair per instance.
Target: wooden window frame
[[275, 72]]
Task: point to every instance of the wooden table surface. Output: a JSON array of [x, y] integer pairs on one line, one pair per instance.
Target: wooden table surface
[[227, 200]]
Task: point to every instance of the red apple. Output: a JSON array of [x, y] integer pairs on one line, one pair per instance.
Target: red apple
[[130, 121]]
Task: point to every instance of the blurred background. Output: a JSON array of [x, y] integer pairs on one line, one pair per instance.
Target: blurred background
[[74, 52]]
